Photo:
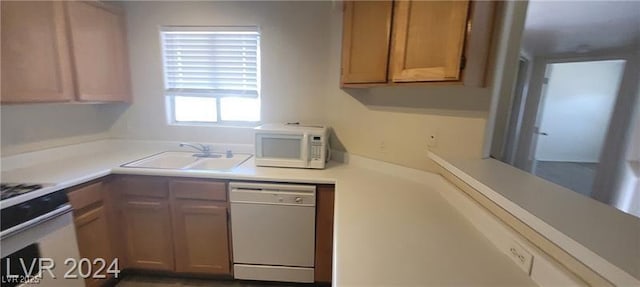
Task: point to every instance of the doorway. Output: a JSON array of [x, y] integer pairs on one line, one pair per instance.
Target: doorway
[[576, 105]]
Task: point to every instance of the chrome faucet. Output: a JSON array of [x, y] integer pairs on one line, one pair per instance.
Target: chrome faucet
[[205, 150]]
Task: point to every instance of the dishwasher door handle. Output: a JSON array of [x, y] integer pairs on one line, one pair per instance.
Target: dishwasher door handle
[[271, 187], [274, 203]]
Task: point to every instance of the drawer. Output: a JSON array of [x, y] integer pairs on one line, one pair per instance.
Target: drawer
[[148, 186], [86, 195], [199, 189]]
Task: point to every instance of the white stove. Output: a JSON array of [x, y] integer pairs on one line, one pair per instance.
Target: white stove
[[37, 222]]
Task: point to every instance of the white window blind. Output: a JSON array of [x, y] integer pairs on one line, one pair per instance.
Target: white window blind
[[211, 61]]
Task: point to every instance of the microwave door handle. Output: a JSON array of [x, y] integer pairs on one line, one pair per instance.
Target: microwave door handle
[[305, 148]]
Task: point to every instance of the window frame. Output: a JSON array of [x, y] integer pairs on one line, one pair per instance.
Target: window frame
[[170, 96]]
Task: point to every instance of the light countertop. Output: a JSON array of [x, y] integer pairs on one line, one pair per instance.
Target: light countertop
[[602, 237], [389, 230]]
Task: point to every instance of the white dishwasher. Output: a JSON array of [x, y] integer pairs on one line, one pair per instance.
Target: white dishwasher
[[273, 231]]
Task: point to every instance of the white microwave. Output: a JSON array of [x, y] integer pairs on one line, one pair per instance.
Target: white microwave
[[292, 145]]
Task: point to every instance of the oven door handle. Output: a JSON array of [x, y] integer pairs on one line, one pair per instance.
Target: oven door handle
[[36, 221]]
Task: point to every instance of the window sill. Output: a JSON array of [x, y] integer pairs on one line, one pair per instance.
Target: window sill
[[248, 125]]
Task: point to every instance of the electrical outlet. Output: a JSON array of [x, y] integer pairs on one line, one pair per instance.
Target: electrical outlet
[[521, 256], [432, 140]]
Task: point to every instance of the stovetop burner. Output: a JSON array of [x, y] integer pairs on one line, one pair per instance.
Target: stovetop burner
[[8, 190]]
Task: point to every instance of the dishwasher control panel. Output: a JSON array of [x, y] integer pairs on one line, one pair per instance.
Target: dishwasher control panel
[[286, 194], [293, 198]]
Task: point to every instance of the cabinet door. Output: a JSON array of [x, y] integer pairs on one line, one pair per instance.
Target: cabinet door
[[324, 233], [99, 51], [35, 56], [147, 223], [428, 40], [201, 237], [92, 231], [365, 43]]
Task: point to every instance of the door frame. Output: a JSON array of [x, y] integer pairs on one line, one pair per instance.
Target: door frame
[[609, 174], [516, 109], [535, 131]]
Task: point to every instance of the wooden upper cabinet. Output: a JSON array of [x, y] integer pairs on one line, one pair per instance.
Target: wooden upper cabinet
[[99, 51], [365, 42], [428, 40], [35, 54], [63, 51], [416, 41]]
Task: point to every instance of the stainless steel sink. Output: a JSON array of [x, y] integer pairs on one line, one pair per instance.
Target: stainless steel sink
[[187, 161]]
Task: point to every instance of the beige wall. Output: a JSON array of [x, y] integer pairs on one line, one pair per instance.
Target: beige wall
[[294, 63], [392, 124], [300, 46]]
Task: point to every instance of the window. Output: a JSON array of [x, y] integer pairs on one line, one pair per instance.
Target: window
[[211, 74]]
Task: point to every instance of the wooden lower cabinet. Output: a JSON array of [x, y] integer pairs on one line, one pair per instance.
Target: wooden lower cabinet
[[324, 233], [93, 240], [201, 237], [92, 226], [176, 225], [149, 240]]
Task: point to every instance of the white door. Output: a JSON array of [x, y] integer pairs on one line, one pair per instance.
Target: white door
[[575, 110], [577, 102]]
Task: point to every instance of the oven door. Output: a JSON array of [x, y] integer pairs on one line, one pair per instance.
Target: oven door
[[282, 150], [49, 238]]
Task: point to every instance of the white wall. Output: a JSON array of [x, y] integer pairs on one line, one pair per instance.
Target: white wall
[[634, 164], [301, 45], [392, 124], [628, 193], [37, 126], [514, 14], [576, 110], [301, 51], [294, 53]]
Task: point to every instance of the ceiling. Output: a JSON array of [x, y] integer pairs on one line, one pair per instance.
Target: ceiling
[[560, 27]]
